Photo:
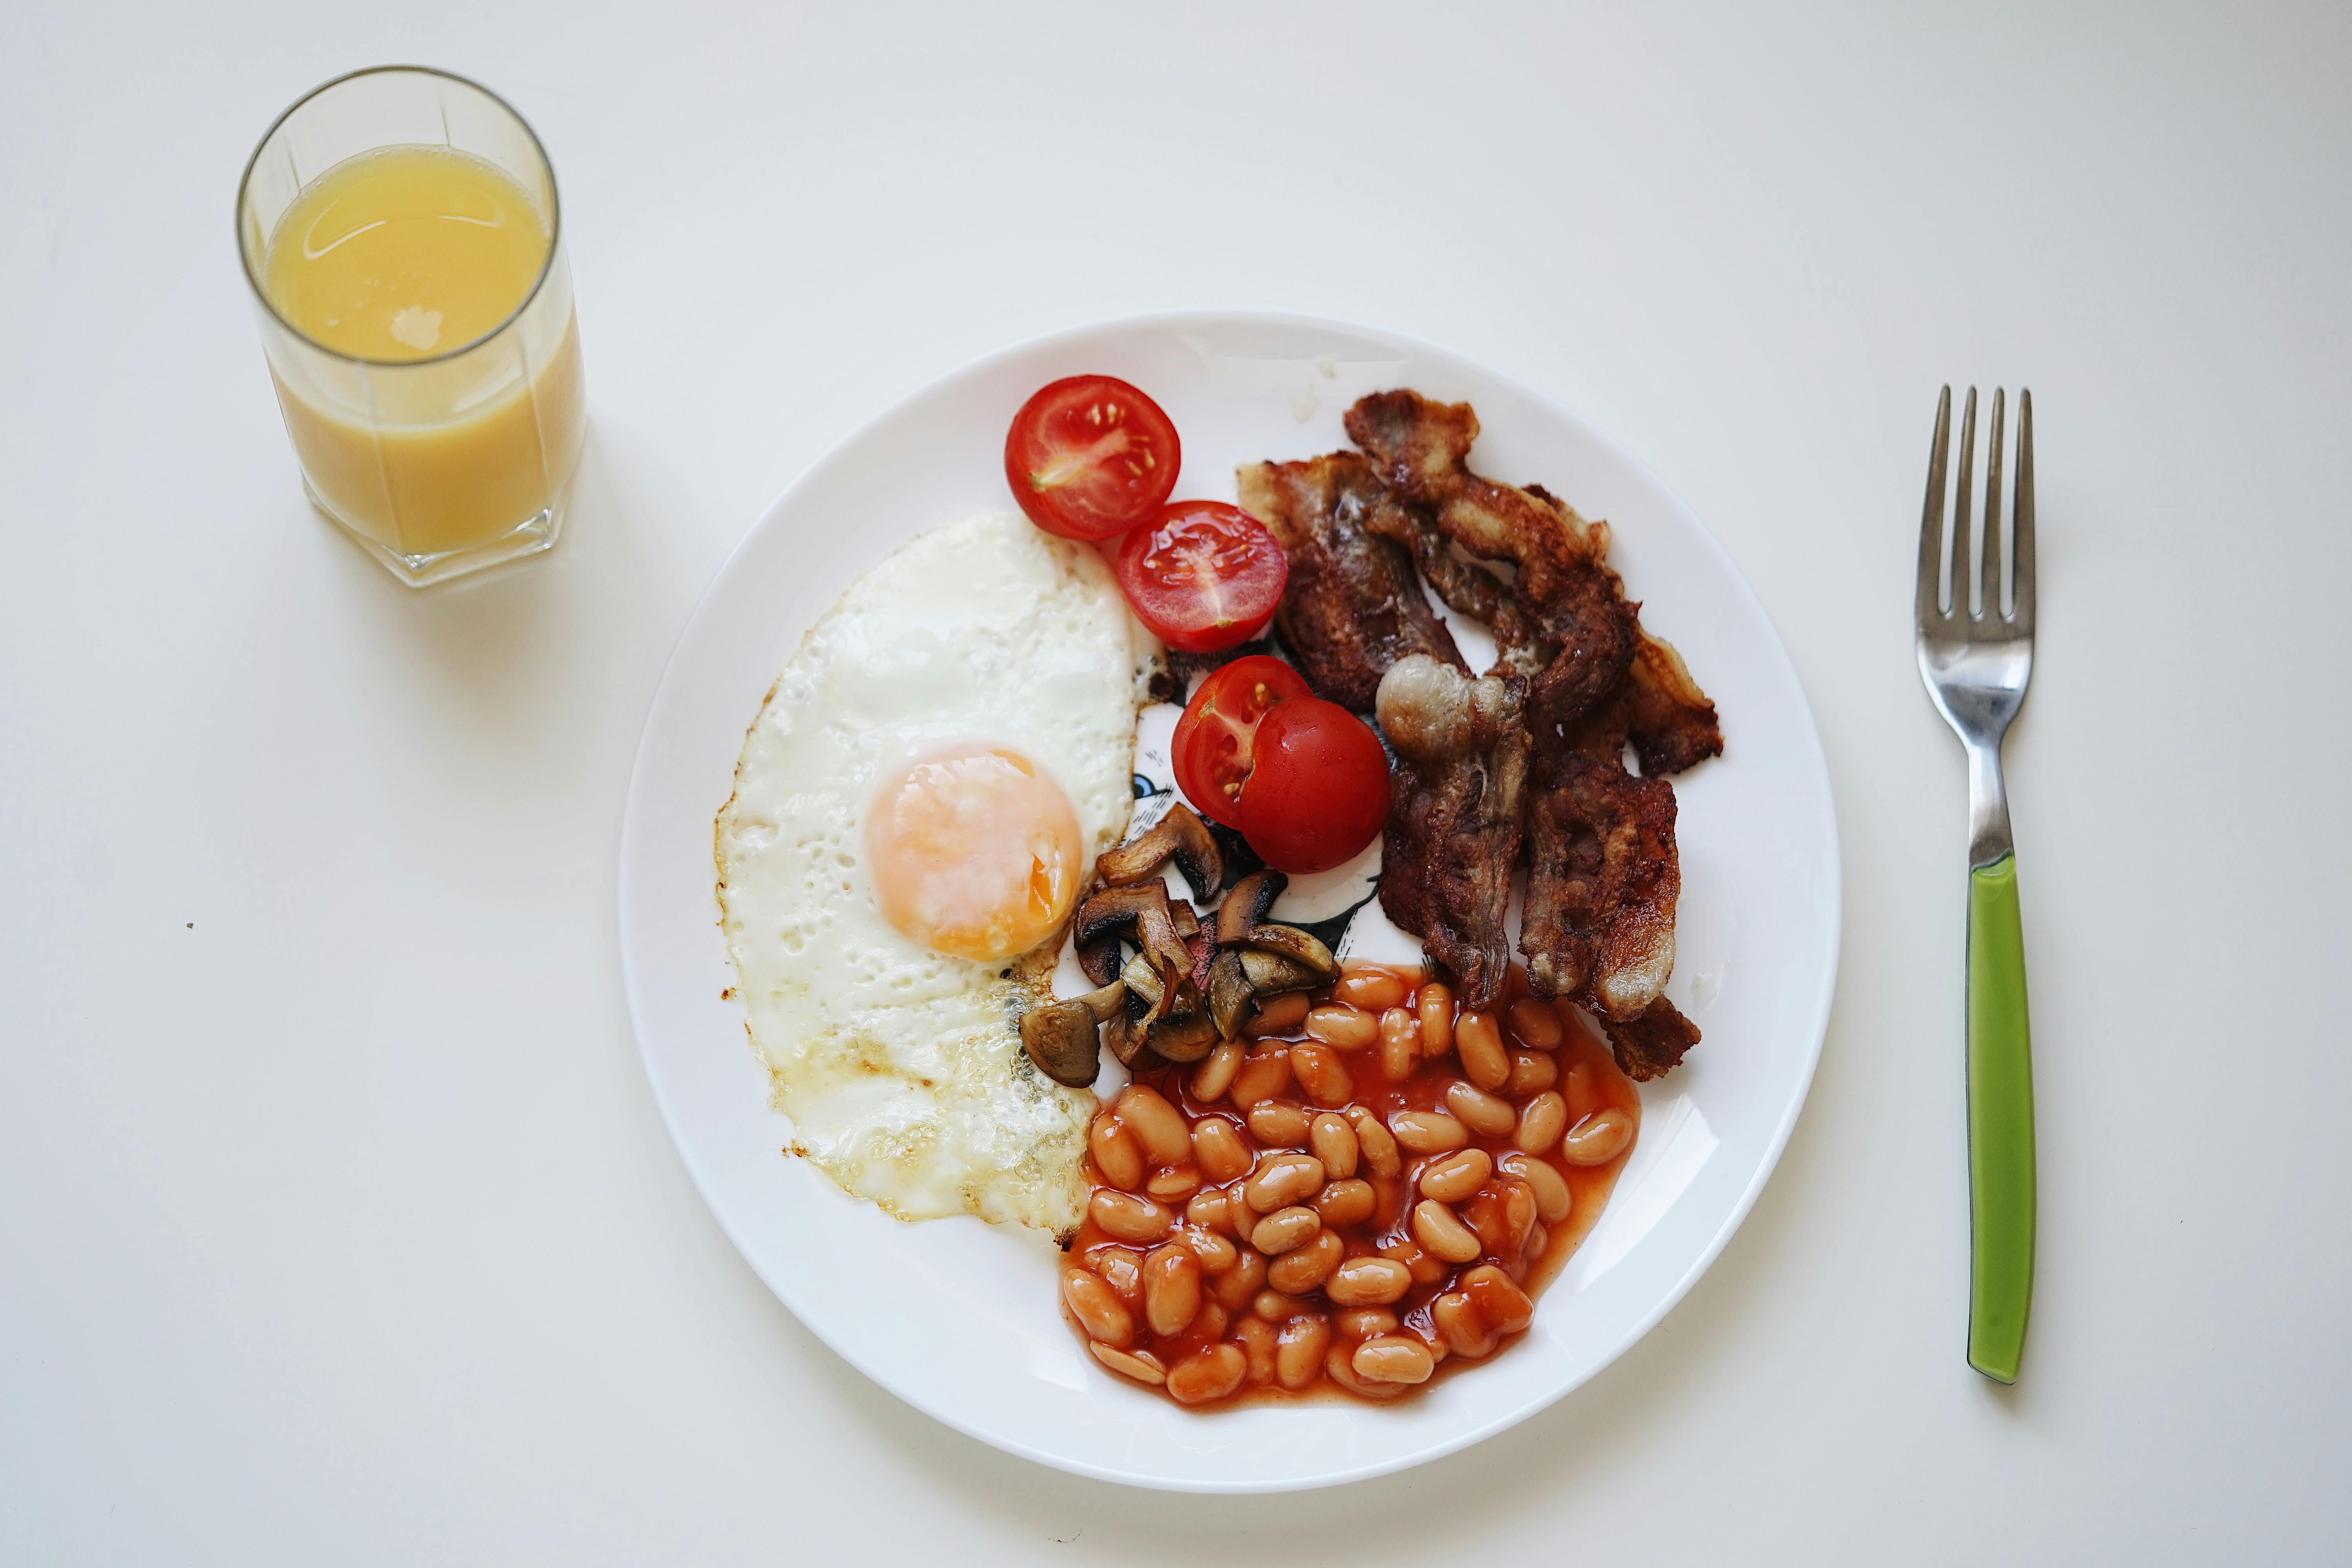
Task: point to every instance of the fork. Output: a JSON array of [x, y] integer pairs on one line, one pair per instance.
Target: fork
[[1976, 661]]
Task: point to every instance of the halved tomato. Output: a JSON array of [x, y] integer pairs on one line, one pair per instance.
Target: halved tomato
[[1203, 575], [1212, 749], [1089, 456], [1318, 787]]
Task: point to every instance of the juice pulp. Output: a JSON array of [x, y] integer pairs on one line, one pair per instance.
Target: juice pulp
[[404, 256]]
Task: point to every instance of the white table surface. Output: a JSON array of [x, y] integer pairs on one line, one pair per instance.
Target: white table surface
[[336, 1220]]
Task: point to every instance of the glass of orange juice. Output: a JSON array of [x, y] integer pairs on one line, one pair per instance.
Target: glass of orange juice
[[401, 231]]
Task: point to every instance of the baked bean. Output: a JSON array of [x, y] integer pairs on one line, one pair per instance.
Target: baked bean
[[1126, 1217], [1218, 1147], [1499, 1299], [1553, 1200], [1273, 1306], [1207, 1374], [1436, 1019], [1215, 1073], [1213, 1210], [1262, 1076], [1456, 1176], [1121, 1271], [1532, 1072], [1373, 990], [1427, 1131], [1278, 1122], [1118, 1156], [1379, 1147], [1399, 1044], [1425, 1268], [1237, 1286], [1276, 1015], [1172, 1289], [1541, 1121], [1539, 1238], [1367, 1283], [1321, 1074], [1334, 1142], [1488, 1115], [1298, 1350], [1302, 1268], [1210, 1323], [1140, 1365], [1155, 1124], [1215, 1253], [1350, 1202], [1534, 1024], [1284, 1228], [1582, 1094], [1466, 1333], [1393, 1358], [1503, 1217], [1598, 1138], [1097, 1308], [1365, 1322], [1282, 1180], [1257, 1338], [1341, 1369], [1436, 1227], [1174, 1186], [1348, 1029], [1479, 1044]]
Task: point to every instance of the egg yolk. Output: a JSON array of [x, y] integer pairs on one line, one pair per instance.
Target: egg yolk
[[974, 853]]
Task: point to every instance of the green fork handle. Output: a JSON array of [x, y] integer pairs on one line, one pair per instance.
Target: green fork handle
[[2001, 1125]]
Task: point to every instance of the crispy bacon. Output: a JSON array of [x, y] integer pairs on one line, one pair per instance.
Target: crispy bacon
[[1455, 815], [1652, 1045], [1671, 721], [1353, 606], [1575, 607], [1603, 873]]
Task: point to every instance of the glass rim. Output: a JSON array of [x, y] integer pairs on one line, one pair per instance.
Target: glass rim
[[554, 219]]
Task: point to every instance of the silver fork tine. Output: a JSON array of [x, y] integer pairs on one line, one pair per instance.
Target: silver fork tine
[[1963, 556], [2022, 552], [1991, 611], [1927, 606]]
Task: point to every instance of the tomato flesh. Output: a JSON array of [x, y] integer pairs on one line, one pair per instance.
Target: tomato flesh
[[1204, 577], [1318, 787], [1211, 749], [1090, 457]]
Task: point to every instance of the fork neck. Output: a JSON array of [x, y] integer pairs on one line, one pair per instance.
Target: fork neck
[[1988, 839]]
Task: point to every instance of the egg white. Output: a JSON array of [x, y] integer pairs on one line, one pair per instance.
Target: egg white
[[900, 1068]]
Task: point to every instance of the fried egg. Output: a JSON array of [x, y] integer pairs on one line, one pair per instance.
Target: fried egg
[[916, 809]]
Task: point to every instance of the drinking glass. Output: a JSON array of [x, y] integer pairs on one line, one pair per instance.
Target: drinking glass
[[439, 466]]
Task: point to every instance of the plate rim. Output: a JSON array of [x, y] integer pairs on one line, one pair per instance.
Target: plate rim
[[1819, 1007]]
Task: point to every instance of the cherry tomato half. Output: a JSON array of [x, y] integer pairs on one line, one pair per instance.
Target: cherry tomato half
[[1212, 748], [1089, 456], [1203, 576], [1318, 787]]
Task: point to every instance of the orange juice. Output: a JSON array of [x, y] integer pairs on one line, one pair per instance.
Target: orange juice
[[454, 412]]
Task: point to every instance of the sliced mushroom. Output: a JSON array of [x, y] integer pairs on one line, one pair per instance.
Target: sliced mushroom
[[1272, 973], [1144, 985], [1124, 1035], [1185, 1039], [1182, 916], [1142, 914], [1301, 947], [1228, 991], [1247, 905], [1062, 1038], [1099, 959], [1181, 834]]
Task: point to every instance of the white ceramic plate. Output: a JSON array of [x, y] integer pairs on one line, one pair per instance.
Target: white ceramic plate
[[957, 1318]]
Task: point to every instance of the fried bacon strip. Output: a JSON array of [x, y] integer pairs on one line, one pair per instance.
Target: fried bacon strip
[[1353, 606], [1652, 1045], [1602, 874], [1455, 815], [1671, 721], [1574, 607]]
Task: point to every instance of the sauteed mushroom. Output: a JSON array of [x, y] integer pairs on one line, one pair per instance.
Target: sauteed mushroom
[[1181, 834], [1141, 913], [1061, 1037], [1247, 905]]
